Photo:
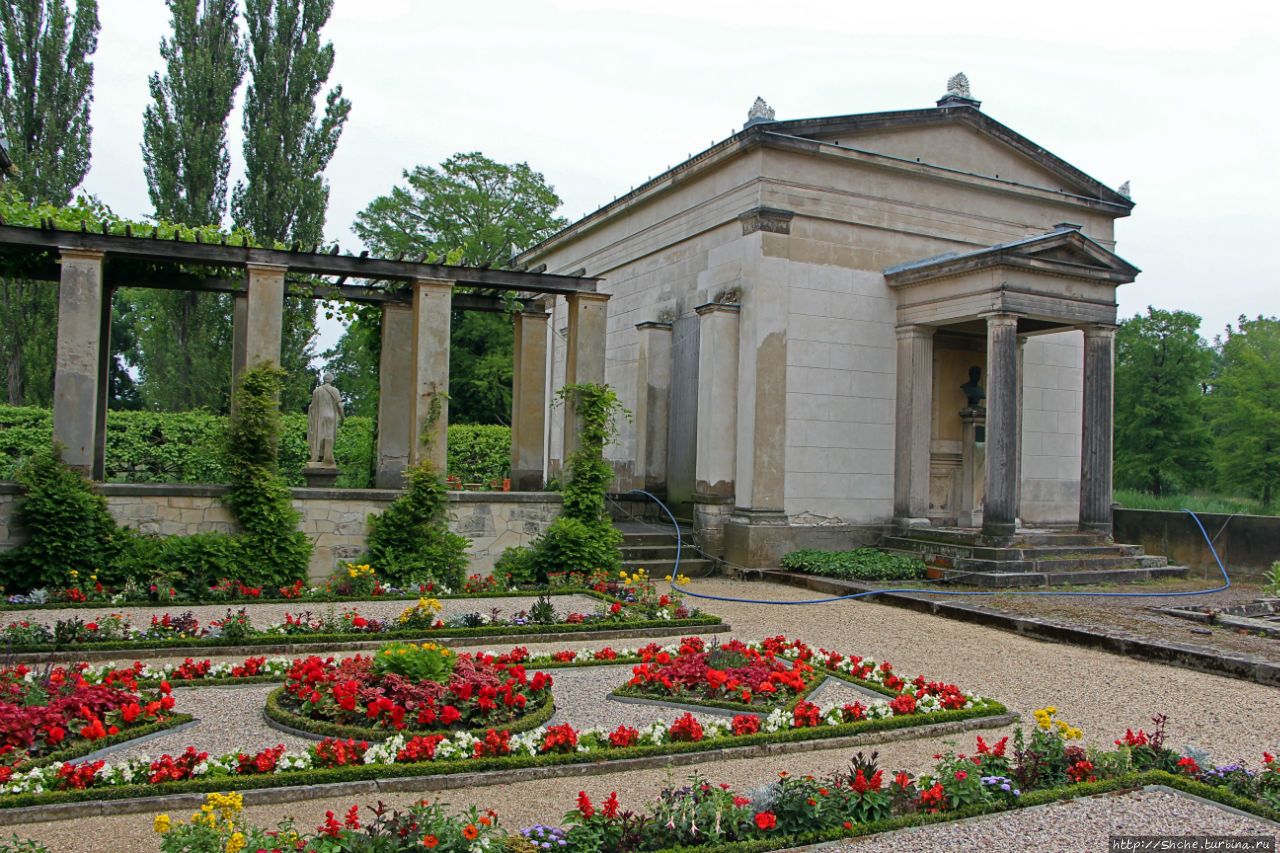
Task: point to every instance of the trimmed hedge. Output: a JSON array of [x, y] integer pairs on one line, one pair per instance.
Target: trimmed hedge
[[369, 772], [285, 717], [865, 564], [338, 599]]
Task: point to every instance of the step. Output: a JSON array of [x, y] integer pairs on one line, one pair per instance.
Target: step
[[666, 551], [998, 580], [1024, 538], [694, 567], [959, 552], [1065, 564]]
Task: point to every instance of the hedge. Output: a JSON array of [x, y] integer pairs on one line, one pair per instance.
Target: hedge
[[865, 564]]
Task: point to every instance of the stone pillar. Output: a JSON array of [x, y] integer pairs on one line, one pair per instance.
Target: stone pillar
[[395, 393], [239, 335], [584, 352], [716, 458], [429, 394], [529, 401], [1096, 430], [653, 399], [264, 311], [1017, 483], [973, 421], [912, 426], [75, 380], [1000, 499], [99, 471]]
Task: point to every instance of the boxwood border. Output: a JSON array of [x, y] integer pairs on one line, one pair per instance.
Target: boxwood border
[[336, 599], [423, 769], [318, 729]]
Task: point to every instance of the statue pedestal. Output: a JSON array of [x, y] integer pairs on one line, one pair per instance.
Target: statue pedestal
[[320, 476], [973, 457]]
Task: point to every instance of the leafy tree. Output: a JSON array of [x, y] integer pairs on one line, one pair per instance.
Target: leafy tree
[[46, 87], [479, 209], [286, 148], [1246, 403], [1161, 433]]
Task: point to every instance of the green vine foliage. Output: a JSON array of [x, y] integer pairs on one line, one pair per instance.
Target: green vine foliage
[[274, 552], [67, 525], [583, 538], [410, 541]]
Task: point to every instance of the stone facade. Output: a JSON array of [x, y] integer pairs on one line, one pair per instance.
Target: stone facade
[[804, 227], [334, 519]]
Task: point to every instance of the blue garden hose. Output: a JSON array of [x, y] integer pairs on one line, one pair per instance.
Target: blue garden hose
[[676, 569]]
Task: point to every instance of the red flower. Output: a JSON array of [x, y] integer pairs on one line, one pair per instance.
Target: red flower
[[353, 818], [961, 775], [766, 820], [610, 807], [616, 607], [470, 832], [584, 804], [430, 841]]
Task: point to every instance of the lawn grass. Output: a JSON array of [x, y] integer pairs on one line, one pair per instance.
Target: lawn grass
[[1196, 502]]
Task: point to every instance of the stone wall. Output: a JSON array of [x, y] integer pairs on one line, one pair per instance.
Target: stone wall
[[335, 519], [1246, 544]]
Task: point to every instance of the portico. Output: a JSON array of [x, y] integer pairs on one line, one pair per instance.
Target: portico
[[1051, 282]]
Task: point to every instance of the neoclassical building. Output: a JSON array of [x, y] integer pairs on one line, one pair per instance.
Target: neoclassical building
[[794, 310]]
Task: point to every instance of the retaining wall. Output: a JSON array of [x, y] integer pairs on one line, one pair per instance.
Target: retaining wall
[[335, 519], [1247, 544]]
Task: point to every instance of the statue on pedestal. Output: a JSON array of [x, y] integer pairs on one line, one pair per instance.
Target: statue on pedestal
[[973, 392], [323, 417]]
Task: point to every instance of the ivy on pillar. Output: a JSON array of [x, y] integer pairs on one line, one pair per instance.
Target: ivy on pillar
[[431, 310], [76, 395], [585, 351], [529, 401], [395, 392], [913, 423], [1097, 419], [1000, 501]]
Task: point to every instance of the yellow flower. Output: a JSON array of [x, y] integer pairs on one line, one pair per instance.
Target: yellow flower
[[162, 823], [236, 842]]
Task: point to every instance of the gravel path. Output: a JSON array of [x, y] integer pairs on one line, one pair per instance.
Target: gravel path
[[1096, 691]]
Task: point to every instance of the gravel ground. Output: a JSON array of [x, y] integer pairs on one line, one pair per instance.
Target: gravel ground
[[1096, 691]]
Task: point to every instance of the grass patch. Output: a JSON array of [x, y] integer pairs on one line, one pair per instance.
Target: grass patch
[[1195, 501]]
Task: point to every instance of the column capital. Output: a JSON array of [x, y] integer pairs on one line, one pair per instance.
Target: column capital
[[653, 325], [433, 283], [717, 307], [1099, 330], [81, 254], [1000, 318], [914, 331], [266, 268], [592, 296]]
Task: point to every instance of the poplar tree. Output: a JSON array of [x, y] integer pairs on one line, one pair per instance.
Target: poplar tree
[[183, 338], [46, 88], [287, 148]]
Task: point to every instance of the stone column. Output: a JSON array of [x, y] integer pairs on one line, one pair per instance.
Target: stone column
[[395, 393], [972, 464], [716, 457], [1096, 430], [1000, 502], [1017, 456], [264, 311], [239, 334], [99, 471], [653, 398], [429, 386], [584, 352], [529, 401], [912, 426], [75, 378]]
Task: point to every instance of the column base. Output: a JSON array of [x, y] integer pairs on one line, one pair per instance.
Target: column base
[[1101, 528], [320, 476], [527, 481], [998, 531], [903, 522], [710, 515]]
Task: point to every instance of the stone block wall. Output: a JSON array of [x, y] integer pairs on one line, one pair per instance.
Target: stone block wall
[[334, 519]]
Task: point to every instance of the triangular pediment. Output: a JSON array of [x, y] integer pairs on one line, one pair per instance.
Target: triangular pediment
[[946, 137], [1063, 251]]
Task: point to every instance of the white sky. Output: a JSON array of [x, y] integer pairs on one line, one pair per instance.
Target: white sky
[[600, 95]]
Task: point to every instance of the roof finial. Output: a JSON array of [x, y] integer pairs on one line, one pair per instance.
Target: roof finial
[[759, 113], [1124, 190], [958, 94]]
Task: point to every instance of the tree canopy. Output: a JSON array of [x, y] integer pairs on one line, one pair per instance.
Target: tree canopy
[[1246, 406]]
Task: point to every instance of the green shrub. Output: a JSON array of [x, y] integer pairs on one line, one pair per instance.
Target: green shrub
[[410, 541], [189, 564], [865, 564], [273, 551], [67, 526], [479, 453]]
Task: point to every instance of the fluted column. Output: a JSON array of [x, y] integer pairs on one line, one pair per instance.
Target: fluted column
[[1096, 429], [913, 424], [1000, 503]]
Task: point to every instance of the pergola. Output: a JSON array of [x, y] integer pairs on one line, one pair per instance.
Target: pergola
[[416, 299]]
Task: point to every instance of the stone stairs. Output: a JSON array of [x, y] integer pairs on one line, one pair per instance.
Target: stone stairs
[[653, 548], [1032, 558]]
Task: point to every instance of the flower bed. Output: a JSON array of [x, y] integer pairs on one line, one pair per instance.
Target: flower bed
[[116, 631], [404, 687], [789, 811], [411, 754], [54, 716]]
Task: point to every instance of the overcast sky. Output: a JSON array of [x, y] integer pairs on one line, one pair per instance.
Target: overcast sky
[[600, 95]]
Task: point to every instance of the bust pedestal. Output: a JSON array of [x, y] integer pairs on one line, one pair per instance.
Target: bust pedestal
[[320, 476], [973, 453]]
